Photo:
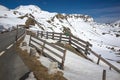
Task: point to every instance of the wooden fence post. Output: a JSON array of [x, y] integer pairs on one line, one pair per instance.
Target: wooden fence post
[[30, 40], [110, 67], [104, 75], [63, 60], [86, 49], [98, 59], [16, 37], [105, 61], [41, 34], [60, 37], [53, 35], [47, 35], [69, 40], [43, 48], [37, 33]]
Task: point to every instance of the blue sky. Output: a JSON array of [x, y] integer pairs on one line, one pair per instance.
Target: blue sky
[[101, 10]]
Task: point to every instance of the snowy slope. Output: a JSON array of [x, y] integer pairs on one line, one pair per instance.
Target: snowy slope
[[116, 23], [9, 18], [76, 67], [104, 37], [3, 8]]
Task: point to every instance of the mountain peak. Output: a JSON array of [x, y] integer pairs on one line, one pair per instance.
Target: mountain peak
[[86, 18], [28, 7]]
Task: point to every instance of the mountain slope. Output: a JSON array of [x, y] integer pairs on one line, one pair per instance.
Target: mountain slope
[[104, 37], [3, 8]]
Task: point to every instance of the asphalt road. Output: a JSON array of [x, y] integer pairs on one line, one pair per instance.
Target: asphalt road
[[9, 37], [11, 65]]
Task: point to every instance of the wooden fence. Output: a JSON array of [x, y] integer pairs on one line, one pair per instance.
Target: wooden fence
[[55, 53], [81, 45], [105, 61]]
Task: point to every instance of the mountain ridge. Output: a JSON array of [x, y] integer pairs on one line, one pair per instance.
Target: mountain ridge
[[104, 38], [3, 8], [80, 25]]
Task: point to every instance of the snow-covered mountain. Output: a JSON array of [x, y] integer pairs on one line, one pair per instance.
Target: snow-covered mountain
[[104, 37], [3, 8]]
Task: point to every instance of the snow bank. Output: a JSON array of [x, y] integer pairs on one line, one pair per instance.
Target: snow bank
[[77, 68], [31, 77]]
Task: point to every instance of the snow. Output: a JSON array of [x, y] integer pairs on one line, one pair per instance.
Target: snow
[[46, 50], [82, 27], [8, 19], [3, 8], [78, 68], [116, 23], [13, 21], [28, 7], [31, 77], [107, 54], [83, 69], [52, 66], [27, 47], [5, 26], [34, 28]]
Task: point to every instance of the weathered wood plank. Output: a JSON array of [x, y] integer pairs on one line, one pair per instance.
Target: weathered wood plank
[[98, 59], [60, 49], [53, 52], [104, 75], [78, 47], [60, 37], [63, 60], [80, 40], [36, 42], [53, 35], [51, 58], [72, 40]]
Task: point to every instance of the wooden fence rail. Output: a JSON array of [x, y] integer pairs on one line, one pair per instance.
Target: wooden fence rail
[[72, 40], [46, 49], [81, 45], [105, 61]]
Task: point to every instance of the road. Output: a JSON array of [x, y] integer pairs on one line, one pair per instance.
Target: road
[[8, 38], [11, 65]]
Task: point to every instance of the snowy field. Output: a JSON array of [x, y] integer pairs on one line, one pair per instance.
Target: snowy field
[[78, 68], [104, 37]]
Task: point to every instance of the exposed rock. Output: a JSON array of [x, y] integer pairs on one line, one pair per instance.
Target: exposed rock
[[33, 51], [53, 68], [29, 22], [24, 44]]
